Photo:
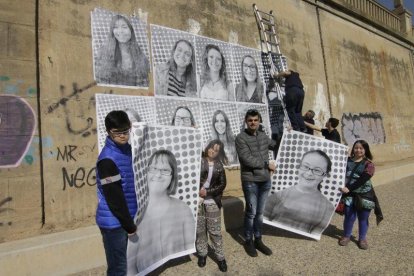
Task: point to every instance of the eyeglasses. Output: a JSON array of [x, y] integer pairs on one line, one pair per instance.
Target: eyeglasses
[[186, 120], [315, 171], [164, 172], [251, 67], [119, 133]]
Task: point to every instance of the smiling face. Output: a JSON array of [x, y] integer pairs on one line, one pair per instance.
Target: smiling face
[[213, 152], [214, 60], [159, 175], [182, 118], [249, 69], [183, 54], [121, 31], [312, 171], [252, 123], [358, 151], [220, 124]]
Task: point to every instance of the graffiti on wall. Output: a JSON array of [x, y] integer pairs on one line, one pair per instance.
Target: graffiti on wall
[[17, 126], [2, 209], [80, 176], [366, 126], [85, 130]]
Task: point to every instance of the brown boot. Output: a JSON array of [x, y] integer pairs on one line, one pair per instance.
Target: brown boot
[[363, 244], [344, 241]]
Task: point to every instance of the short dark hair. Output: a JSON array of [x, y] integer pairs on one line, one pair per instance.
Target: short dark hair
[[172, 188], [117, 119], [252, 113], [334, 122]]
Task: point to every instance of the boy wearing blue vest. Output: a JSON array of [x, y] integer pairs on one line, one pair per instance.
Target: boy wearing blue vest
[[117, 204]]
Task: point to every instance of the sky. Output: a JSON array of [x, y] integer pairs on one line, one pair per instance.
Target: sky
[[408, 4]]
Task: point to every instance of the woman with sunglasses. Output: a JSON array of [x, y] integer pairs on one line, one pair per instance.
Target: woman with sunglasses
[[302, 206]]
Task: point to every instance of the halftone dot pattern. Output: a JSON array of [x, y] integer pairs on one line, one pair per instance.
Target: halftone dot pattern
[[276, 114], [277, 60], [163, 40], [143, 106], [225, 49], [238, 54], [207, 112], [293, 146], [101, 19], [184, 143], [166, 106]]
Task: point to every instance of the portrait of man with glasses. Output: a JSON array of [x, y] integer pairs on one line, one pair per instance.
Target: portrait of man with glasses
[[302, 207]]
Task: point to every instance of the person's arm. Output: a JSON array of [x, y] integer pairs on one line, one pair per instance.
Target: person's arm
[[218, 188], [364, 177], [313, 126], [246, 157], [114, 195]]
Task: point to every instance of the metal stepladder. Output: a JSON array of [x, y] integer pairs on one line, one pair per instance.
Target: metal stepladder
[[270, 47]]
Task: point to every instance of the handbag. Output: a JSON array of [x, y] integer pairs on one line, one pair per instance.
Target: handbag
[[340, 208]]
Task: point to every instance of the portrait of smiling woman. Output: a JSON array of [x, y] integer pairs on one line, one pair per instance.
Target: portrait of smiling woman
[[221, 130], [250, 89], [302, 206], [215, 83], [168, 226], [177, 77], [120, 60]]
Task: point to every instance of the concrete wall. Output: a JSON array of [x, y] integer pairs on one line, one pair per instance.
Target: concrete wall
[[347, 67]]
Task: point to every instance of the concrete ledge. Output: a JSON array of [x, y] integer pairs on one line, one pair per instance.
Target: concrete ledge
[[393, 173], [81, 249], [53, 254]]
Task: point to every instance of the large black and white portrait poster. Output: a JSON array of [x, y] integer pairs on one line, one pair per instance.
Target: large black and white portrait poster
[[248, 71], [180, 112], [214, 69], [166, 163], [120, 49], [305, 188], [220, 120], [174, 61], [138, 108]]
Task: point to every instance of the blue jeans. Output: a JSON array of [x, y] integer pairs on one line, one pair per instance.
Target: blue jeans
[[351, 214], [115, 243], [255, 195]]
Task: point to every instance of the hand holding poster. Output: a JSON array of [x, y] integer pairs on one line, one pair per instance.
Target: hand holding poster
[[305, 188], [166, 170]]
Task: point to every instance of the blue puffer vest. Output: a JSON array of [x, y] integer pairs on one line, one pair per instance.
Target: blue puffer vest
[[121, 156]]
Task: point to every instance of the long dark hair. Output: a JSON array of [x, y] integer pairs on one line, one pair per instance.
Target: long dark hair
[[365, 145], [110, 54], [221, 157]]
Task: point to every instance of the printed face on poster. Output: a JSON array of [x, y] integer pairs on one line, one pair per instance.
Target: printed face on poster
[[305, 187], [120, 49], [166, 162]]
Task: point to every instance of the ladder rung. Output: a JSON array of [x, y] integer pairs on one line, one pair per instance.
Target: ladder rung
[[267, 22], [270, 42], [268, 14]]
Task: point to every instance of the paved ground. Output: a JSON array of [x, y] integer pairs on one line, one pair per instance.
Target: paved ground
[[391, 249]]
